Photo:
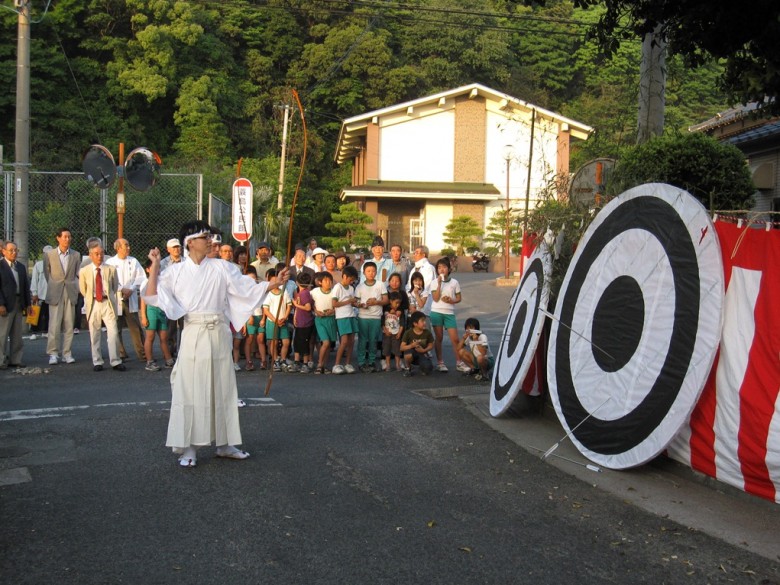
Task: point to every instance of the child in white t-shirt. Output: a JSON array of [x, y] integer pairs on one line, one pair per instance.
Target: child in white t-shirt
[[271, 309], [446, 294], [371, 296], [346, 324], [474, 351], [324, 320], [419, 294]]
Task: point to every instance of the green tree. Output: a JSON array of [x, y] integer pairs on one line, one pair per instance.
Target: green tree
[[743, 34], [495, 237], [448, 48], [713, 172], [349, 229], [462, 233], [564, 221], [605, 96], [543, 72], [203, 135]]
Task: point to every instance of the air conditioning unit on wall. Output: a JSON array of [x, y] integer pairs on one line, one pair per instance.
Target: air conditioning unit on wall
[[764, 176]]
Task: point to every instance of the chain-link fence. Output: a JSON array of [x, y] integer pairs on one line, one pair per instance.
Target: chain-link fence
[[220, 215], [58, 199]]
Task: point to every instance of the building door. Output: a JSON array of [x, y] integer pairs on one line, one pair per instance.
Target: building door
[[416, 230]]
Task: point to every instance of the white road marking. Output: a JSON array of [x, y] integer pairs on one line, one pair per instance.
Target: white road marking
[[32, 413], [14, 476]]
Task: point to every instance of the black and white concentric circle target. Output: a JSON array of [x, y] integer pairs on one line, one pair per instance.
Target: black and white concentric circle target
[[637, 326], [522, 331]]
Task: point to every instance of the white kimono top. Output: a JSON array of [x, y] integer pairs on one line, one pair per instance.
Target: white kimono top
[[213, 286]]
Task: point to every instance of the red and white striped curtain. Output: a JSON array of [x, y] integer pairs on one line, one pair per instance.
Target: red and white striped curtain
[[734, 431]]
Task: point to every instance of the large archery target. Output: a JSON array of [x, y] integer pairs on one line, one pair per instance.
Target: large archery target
[[522, 331], [645, 288]]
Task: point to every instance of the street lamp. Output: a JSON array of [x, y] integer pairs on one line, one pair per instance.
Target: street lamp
[[509, 154], [527, 191]]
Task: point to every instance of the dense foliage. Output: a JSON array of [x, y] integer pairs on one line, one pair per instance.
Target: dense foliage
[[713, 172], [204, 83], [744, 34]]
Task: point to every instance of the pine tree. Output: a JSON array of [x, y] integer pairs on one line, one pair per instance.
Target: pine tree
[[461, 233], [349, 226]]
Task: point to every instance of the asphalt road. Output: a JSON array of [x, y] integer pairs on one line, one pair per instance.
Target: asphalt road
[[353, 479]]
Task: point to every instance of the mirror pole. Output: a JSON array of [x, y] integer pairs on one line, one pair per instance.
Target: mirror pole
[[120, 193]]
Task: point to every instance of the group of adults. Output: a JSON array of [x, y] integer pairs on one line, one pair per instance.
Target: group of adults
[[62, 282], [312, 258]]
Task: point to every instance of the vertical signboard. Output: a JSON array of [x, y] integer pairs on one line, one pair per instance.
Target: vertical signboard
[[242, 209]]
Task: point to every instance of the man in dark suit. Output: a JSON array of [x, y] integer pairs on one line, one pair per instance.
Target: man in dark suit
[[61, 269], [298, 264], [14, 302]]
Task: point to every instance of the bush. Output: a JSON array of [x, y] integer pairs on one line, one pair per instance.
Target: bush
[[713, 172]]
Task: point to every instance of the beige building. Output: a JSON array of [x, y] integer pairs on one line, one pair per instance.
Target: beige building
[[418, 164]]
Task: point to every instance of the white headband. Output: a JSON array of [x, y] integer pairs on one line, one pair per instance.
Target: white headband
[[195, 235]]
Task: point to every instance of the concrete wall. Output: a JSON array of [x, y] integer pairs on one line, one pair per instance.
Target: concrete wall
[[419, 149], [517, 132], [437, 215]]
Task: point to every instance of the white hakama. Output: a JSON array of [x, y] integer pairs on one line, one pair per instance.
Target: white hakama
[[204, 401]]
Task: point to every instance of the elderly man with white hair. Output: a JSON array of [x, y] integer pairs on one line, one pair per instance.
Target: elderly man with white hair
[[131, 277], [423, 265]]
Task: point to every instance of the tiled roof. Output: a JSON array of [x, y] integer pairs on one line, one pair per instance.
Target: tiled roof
[[772, 129]]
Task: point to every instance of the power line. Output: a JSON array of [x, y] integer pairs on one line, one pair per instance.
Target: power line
[[32, 21], [78, 88], [411, 18], [501, 15]]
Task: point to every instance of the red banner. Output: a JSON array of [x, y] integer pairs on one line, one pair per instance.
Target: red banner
[[734, 432]]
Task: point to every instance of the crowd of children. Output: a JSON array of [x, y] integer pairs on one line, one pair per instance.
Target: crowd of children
[[316, 324]]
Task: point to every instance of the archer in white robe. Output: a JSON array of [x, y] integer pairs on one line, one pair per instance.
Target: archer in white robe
[[204, 402]]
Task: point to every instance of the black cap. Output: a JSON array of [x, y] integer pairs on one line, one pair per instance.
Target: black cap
[[263, 245]]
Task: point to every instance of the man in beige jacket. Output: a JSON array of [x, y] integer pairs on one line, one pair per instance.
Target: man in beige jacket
[[99, 285], [61, 269]]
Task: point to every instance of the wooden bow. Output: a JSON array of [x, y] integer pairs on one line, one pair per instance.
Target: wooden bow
[[275, 339]]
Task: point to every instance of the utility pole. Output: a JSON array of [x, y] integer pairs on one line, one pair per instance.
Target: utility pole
[[280, 197], [652, 86], [22, 145]]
